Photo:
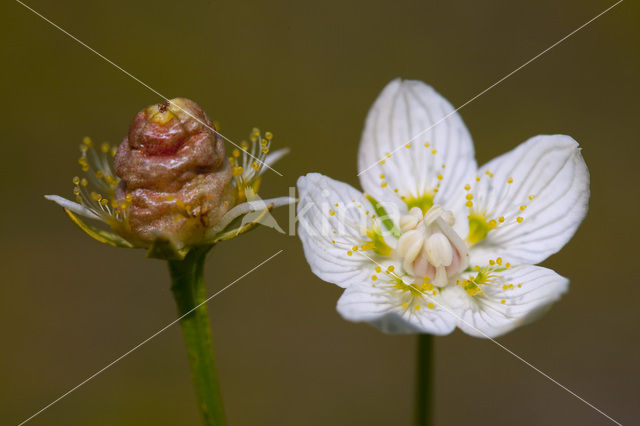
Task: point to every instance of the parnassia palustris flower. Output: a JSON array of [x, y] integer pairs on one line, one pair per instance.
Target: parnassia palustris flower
[[435, 242]]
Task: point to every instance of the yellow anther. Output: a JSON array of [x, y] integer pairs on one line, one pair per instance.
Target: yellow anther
[[492, 262], [382, 176], [128, 197], [332, 213], [388, 155], [531, 197], [510, 180], [507, 265], [76, 191], [431, 305], [255, 166], [76, 180], [493, 223], [499, 261], [354, 248], [434, 152], [87, 141], [268, 135], [417, 307], [232, 161], [404, 305], [382, 162], [523, 207], [99, 174], [408, 145], [477, 178], [383, 184], [265, 150], [237, 170], [467, 187], [519, 219], [519, 285], [235, 152], [503, 301], [426, 145], [374, 277], [501, 219], [391, 268], [349, 253], [469, 203], [469, 197], [439, 176], [477, 267], [378, 269]]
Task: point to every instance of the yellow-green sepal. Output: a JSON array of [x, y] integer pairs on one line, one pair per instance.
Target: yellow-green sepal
[[101, 235]]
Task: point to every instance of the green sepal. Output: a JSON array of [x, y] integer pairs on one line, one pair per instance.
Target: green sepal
[[384, 217]]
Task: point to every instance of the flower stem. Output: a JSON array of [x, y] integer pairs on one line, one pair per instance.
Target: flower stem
[[424, 367], [189, 291]]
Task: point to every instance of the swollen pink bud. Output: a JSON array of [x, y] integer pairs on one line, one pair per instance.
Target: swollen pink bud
[[175, 175]]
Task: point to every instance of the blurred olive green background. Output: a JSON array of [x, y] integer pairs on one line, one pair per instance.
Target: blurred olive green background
[[308, 71]]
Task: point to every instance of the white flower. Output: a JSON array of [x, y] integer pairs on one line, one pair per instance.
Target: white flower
[[436, 242]]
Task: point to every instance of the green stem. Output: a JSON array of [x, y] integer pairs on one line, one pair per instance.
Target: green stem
[[189, 292], [424, 367]]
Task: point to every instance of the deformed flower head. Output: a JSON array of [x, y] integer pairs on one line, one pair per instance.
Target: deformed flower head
[[173, 173], [171, 186], [437, 242]]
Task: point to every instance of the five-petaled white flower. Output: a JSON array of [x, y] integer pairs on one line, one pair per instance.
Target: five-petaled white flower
[[436, 242]]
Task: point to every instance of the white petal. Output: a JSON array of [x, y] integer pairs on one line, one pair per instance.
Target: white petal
[[551, 169], [247, 207], [534, 290], [329, 232], [365, 302], [74, 207], [412, 112]]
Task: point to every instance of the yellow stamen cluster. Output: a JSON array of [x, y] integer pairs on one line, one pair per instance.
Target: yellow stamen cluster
[[248, 163], [482, 222], [423, 200], [95, 190], [486, 276]]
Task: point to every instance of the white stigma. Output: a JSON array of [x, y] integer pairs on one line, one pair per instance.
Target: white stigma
[[429, 247]]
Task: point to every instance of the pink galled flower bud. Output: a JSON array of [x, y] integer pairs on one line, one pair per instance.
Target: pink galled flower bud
[[175, 178]]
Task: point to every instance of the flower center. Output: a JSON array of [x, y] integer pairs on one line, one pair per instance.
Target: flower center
[[429, 247]]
